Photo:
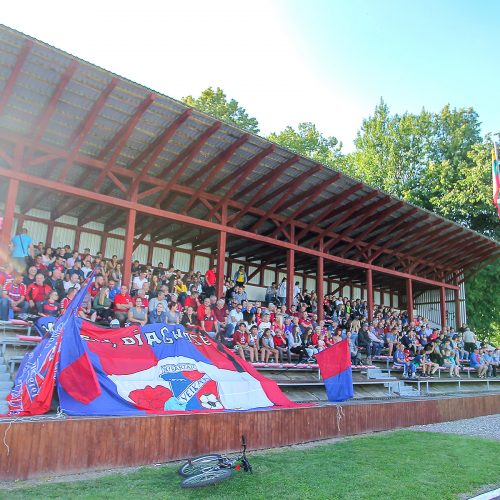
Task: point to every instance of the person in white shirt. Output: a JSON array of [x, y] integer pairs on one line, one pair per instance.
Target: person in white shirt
[[139, 281]]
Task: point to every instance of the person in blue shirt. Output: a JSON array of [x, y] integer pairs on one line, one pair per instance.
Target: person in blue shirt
[[400, 359], [113, 289], [22, 248]]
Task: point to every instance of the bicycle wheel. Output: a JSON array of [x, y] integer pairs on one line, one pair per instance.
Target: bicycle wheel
[[199, 464], [206, 478]]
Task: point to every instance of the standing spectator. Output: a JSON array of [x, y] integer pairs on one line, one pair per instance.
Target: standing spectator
[[282, 292], [23, 250], [469, 340], [240, 276], [210, 280], [271, 293]]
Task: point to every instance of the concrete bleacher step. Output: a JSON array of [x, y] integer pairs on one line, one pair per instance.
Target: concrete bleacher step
[[378, 374], [4, 408], [3, 368], [402, 389], [4, 376], [3, 394]]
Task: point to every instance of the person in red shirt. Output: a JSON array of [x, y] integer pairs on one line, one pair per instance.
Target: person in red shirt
[[70, 295], [15, 295], [96, 285], [210, 280], [192, 300], [121, 304], [37, 292], [304, 321], [240, 340], [206, 317]]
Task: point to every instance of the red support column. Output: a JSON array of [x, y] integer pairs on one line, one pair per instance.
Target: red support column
[[442, 300], [319, 287], [458, 314], [129, 244], [78, 234], [369, 293], [102, 247], [409, 298], [10, 207], [290, 274], [150, 253], [221, 258], [50, 233]]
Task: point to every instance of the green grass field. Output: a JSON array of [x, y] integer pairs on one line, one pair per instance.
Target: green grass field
[[398, 465]]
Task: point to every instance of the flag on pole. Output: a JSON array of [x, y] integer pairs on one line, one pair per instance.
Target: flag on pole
[[495, 174], [335, 367]]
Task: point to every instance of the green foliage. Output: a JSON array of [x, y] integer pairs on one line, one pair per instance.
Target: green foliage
[[215, 103], [381, 466], [308, 141], [481, 292]]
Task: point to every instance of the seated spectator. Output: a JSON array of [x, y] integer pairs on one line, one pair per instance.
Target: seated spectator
[[70, 295], [172, 314], [476, 362], [97, 285], [193, 299], [138, 281], [207, 319], [281, 343], [390, 339], [122, 304], [429, 367], [37, 292], [102, 305], [353, 349], [138, 314], [160, 298], [113, 289], [13, 299], [189, 317], [253, 342], [29, 277], [221, 313], [158, 314], [240, 341], [264, 324], [296, 343], [449, 362], [401, 360], [72, 281], [268, 349], [310, 346], [50, 306], [57, 283]]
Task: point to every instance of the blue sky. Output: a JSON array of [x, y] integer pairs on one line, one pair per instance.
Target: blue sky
[[288, 61]]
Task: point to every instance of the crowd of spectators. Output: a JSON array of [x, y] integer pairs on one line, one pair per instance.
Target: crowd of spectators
[[40, 280]]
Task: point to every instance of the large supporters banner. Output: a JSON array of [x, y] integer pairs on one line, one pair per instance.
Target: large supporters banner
[[149, 370]]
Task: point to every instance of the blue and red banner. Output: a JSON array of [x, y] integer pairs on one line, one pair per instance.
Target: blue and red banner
[[154, 369], [335, 367]]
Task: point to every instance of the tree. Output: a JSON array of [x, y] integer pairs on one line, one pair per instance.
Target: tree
[[215, 103], [438, 161], [308, 141]]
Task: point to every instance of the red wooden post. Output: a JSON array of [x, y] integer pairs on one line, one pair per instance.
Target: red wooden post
[[50, 232], [319, 287], [221, 258], [10, 207], [290, 274], [442, 300], [129, 244], [78, 234], [458, 313], [409, 298], [369, 293]]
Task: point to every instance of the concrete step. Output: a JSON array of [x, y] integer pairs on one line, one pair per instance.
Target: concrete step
[[3, 368], [4, 376], [4, 408], [3, 394]]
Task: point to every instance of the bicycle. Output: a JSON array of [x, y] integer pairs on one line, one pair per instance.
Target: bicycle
[[212, 469]]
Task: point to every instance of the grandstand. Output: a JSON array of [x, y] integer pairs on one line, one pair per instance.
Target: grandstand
[[93, 161]]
